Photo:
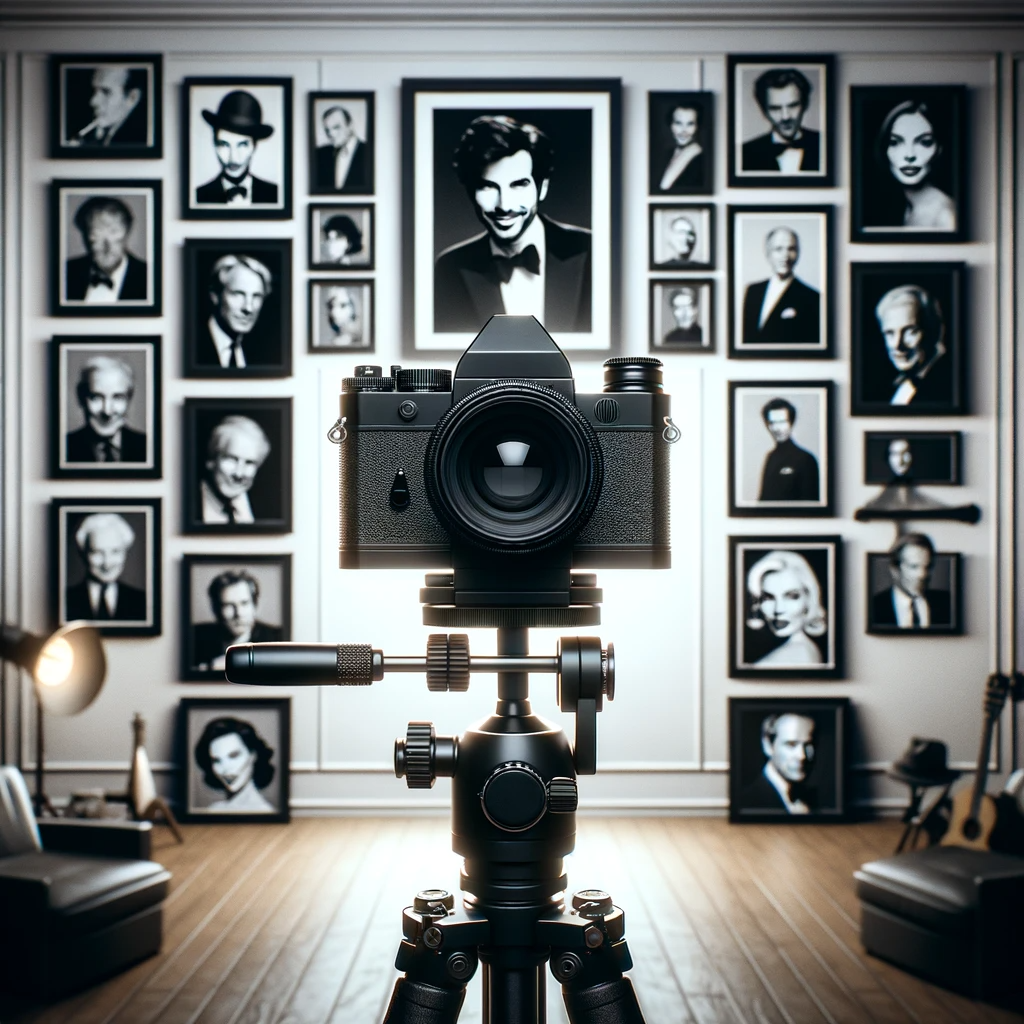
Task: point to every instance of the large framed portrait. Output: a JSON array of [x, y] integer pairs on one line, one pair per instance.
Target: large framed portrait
[[341, 236], [681, 143], [781, 120], [238, 465], [105, 247], [780, 279], [788, 759], [241, 599], [912, 457], [106, 106], [682, 236], [105, 406], [914, 589], [682, 314], [907, 344], [235, 755], [106, 564], [510, 204], [237, 153], [780, 448], [785, 621], [341, 142], [238, 307], [908, 163], [340, 314]]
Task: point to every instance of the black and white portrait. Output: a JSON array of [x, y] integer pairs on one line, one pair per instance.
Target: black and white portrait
[[682, 314], [787, 758], [340, 314], [780, 443], [238, 149], [779, 276], [235, 759], [105, 398], [784, 619], [341, 237], [238, 465], [107, 564], [682, 237], [912, 457], [681, 150], [106, 249], [912, 588], [908, 163], [906, 341], [106, 106], [341, 143]]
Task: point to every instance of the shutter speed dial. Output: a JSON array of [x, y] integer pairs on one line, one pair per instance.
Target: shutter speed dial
[[514, 797]]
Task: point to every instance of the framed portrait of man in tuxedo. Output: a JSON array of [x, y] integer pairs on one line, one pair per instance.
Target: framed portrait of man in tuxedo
[[510, 205], [341, 143], [681, 143], [106, 564], [914, 589], [682, 314]]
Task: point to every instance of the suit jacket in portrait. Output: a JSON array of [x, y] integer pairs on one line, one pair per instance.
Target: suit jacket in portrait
[[357, 179], [790, 473], [260, 347], [132, 131], [211, 640], [694, 334], [761, 795], [689, 178], [264, 193], [131, 603], [77, 279], [80, 445], [940, 608], [761, 154], [795, 320]]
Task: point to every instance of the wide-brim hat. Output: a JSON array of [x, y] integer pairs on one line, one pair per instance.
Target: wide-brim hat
[[923, 764], [239, 112]]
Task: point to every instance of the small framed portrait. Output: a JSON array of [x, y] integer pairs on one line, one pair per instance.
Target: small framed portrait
[[912, 588], [341, 143], [908, 163], [106, 254], [106, 564], [907, 342], [340, 315], [238, 465], [242, 599], [682, 315], [780, 448], [235, 758], [238, 307], [681, 143], [105, 402], [106, 106], [237, 157], [788, 759], [912, 457], [682, 237], [341, 236], [785, 620], [780, 278]]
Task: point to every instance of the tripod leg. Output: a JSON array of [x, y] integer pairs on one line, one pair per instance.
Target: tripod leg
[[594, 989], [434, 986]]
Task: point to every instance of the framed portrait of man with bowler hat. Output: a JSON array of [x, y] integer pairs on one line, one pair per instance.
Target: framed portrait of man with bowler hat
[[237, 157]]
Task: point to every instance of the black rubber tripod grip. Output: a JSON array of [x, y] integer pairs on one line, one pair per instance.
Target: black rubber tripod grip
[[303, 664]]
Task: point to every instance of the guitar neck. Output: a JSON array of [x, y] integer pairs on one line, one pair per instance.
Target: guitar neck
[[995, 697]]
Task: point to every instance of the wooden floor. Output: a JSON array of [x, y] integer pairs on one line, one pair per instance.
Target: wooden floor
[[299, 924]]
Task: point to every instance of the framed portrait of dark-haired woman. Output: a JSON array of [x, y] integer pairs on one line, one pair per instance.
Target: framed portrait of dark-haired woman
[[681, 143]]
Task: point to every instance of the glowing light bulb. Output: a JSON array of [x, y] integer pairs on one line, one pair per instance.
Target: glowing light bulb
[[55, 663]]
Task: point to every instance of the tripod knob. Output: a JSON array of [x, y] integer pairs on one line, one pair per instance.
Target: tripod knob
[[423, 755], [448, 662], [563, 796], [514, 798]]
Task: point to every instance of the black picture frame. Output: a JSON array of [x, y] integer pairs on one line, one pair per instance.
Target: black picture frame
[[820, 774], [269, 493], [697, 176], [264, 722], [267, 346], [128, 404], [935, 457], [943, 593], [351, 225], [750, 142], [268, 163], [89, 87], [114, 203], [940, 315], [668, 334], [341, 293], [816, 564], [880, 203], [665, 252], [130, 558], [359, 179], [450, 286]]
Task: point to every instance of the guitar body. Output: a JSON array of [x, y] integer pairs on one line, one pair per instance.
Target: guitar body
[[973, 832]]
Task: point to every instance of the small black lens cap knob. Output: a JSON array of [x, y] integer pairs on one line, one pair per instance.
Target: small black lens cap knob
[[632, 373], [424, 380]]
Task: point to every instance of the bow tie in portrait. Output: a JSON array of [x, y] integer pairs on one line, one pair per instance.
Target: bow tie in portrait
[[97, 277], [781, 147], [528, 259], [236, 190]]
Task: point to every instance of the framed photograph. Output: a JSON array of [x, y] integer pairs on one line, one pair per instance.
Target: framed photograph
[[682, 237], [912, 588], [106, 564], [105, 403], [682, 314], [781, 120], [340, 315], [106, 106], [235, 759], [238, 465], [780, 277], [341, 143], [907, 345], [780, 448], [242, 599], [237, 153], [908, 163], [681, 143], [788, 759], [105, 248], [913, 457], [238, 307], [785, 621], [341, 236], [510, 204]]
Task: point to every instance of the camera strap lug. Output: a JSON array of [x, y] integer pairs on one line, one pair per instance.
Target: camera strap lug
[[338, 433], [671, 433]]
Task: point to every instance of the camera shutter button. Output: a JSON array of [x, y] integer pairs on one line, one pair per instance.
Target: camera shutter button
[[408, 409]]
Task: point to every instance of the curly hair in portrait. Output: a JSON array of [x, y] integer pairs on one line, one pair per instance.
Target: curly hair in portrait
[[263, 771], [780, 78], [816, 621], [343, 225], [491, 138]]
